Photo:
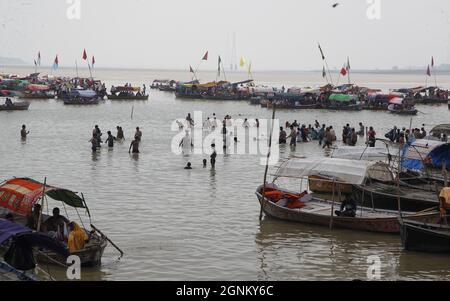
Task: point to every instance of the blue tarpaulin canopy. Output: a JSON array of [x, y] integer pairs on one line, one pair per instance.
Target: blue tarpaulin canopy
[[8, 229]]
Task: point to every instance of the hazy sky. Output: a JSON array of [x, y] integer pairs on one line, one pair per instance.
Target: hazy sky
[[273, 34]]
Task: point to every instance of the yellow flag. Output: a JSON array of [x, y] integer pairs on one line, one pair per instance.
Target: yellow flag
[[242, 63]]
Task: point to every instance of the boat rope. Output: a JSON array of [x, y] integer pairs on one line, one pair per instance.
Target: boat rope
[[52, 260]]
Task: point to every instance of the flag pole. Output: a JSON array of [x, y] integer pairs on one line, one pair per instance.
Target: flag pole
[[76, 67], [326, 64]]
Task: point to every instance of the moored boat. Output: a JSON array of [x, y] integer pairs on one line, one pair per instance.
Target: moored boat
[[14, 106], [127, 93], [20, 195], [424, 237], [306, 208]]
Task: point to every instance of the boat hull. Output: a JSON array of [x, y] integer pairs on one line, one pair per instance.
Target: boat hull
[[380, 225], [114, 97], [366, 196], [423, 237], [91, 256], [18, 106]]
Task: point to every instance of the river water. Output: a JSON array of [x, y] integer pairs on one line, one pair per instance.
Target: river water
[[200, 224]]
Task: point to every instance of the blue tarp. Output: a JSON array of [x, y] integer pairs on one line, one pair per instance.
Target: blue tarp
[[8, 229], [440, 155]]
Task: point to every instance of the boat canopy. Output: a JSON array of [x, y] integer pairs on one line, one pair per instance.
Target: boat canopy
[[441, 129], [396, 101], [20, 194], [360, 153], [243, 82], [343, 97], [83, 93], [341, 170], [37, 88], [9, 229], [431, 151]]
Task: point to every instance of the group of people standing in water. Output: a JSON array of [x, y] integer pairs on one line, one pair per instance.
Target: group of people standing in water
[[326, 135], [97, 134]]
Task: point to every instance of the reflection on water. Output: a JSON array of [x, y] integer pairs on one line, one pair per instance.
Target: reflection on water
[[200, 224]]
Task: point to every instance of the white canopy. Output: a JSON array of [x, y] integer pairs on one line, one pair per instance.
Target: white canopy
[[342, 170], [360, 153]]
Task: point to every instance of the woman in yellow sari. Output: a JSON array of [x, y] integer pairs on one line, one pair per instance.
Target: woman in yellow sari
[[77, 237]]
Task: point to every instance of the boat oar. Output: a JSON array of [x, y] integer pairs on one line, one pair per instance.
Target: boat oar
[[113, 244]]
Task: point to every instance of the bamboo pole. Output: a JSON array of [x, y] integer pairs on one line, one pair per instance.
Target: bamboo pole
[[267, 163], [42, 206], [332, 204]]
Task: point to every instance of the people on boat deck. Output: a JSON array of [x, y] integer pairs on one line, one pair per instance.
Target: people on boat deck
[[120, 135], [283, 136], [77, 237], [138, 135], [372, 137], [188, 166], [110, 140], [24, 132], [348, 208], [33, 218], [55, 224], [134, 146]]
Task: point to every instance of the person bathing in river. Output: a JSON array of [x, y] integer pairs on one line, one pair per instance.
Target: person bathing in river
[[138, 135], [24, 132], [120, 135], [361, 129], [213, 155], [283, 136], [94, 142], [110, 140], [135, 146]]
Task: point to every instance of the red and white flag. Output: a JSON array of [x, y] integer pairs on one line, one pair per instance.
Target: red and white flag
[[84, 54], [344, 71]]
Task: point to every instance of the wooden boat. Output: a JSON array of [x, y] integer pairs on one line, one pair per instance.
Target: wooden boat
[[90, 256], [19, 195], [293, 106], [126, 93], [351, 107], [424, 236], [385, 196], [324, 185], [79, 102], [129, 97], [16, 106], [318, 212], [400, 110], [306, 208]]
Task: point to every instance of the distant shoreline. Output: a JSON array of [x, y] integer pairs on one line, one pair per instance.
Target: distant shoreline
[[354, 71]]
